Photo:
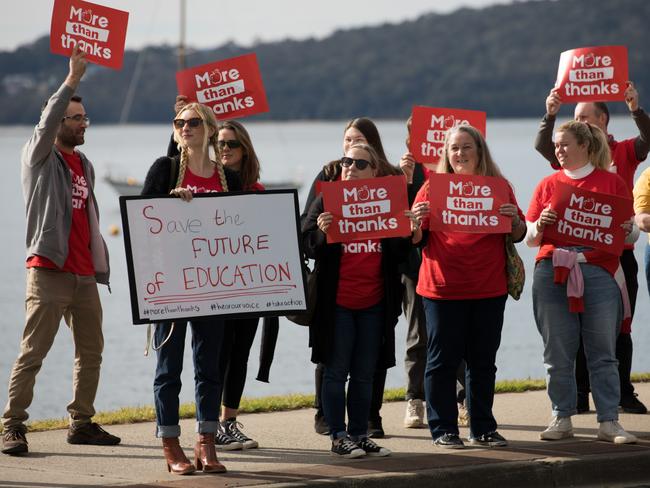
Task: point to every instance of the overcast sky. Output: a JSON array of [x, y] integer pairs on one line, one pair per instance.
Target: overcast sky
[[213, 22]]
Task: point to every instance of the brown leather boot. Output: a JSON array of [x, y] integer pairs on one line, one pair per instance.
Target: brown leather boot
[[177, 462], [205, 455]]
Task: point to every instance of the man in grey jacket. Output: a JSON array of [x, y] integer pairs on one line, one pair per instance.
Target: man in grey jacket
[[66, 258]]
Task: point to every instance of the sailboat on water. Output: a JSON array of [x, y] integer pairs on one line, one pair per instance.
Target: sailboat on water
[[129, 186]]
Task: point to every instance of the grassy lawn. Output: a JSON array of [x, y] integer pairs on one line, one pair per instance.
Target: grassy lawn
[[128, 415]]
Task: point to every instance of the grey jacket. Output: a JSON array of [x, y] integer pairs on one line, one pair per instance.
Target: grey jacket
[[47, 189]]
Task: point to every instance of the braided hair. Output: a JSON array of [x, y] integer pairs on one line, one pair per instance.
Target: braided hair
[[209, 122]]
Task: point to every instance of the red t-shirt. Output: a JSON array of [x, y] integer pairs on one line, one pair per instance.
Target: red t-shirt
[[257, 186], [199, 184], [460, 265], [361, 282], [599, 181], [624, 161], [79, 260]]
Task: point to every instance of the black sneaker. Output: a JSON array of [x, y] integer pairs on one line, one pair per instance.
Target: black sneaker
[[372, 449], [631, 404], [449, 441], [582, 405], [14, 440], [224, 441], [491, 439], [232, 429], [320, 425], [92, 434], [375, 429], [346, 448]]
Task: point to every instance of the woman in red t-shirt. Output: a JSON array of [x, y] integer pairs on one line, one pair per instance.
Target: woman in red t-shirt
[[562, 271], [195, 130], [463, 284], [359, 295], [360, 130]]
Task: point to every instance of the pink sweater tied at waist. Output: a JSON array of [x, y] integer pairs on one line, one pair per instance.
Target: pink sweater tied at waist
[[567, 270]]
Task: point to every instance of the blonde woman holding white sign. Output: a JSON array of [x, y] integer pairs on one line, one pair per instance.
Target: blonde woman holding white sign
[[195, 129], [463, 284], [575, 293]]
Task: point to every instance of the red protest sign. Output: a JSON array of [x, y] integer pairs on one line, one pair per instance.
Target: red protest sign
[[100, 31], [368, 208], [429, 126], [231, 88], [589, 218], [468, 203], [593, 74]]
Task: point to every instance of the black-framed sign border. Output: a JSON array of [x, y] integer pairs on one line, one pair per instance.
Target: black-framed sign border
[[135, 312]]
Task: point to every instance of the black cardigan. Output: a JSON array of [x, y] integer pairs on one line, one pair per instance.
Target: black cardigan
[[162, 176], [328, 260]]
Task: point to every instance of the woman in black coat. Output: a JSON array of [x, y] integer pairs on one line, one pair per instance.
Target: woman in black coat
[[358, 302]]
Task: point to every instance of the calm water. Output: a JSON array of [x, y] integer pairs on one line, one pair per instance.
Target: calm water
[[287, 150]]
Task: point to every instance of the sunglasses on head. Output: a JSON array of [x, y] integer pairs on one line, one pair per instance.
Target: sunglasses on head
[[194, 122], [361, 164], [231, 143]]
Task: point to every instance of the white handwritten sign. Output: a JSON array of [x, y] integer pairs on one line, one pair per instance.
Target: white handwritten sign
[[220, 254]]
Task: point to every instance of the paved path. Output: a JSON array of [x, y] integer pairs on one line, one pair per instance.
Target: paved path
[[291, 454]]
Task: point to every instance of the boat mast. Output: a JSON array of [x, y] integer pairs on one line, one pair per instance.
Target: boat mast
[[181, 44]]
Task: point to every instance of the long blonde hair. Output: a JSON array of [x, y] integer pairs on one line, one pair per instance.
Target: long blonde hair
[[595, 140], [209, 122], [486, 165]]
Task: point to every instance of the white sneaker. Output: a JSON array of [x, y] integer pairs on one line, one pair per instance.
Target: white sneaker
[[414, 417], [559, 428], [612, 431]]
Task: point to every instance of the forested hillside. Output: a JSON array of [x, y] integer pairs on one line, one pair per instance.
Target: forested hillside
[[501, 59]]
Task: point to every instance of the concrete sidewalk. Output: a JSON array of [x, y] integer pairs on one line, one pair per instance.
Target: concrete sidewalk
[[291, 454]]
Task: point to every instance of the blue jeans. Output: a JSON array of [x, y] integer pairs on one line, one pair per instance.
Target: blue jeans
[[355, 351], [457, 329], [561, 331], [207, 336]]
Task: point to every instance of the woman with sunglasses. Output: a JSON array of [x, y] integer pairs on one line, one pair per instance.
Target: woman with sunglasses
[[235, 150], [462, 282], [192, 171], [361, 130], [359, 296], [236, 153]]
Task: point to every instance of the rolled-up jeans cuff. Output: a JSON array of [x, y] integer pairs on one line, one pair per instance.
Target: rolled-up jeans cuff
[[206, 426], [168, 431]]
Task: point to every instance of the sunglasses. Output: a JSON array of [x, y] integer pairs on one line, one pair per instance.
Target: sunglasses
[[232, 143], [194, 122], [361, 164]]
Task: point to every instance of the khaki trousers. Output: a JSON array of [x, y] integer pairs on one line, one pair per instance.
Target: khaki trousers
[[50, 296]]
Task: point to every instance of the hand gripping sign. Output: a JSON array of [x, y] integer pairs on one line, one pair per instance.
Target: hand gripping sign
[[231, 88], [593, 74], [100, 31], [468, 203], [589, 218], [429, 126], [365, 209]]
